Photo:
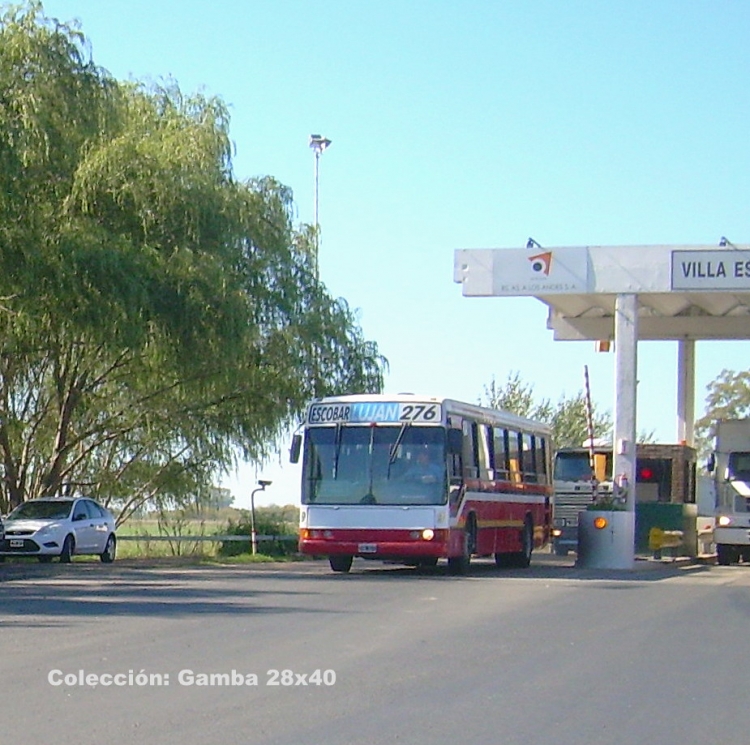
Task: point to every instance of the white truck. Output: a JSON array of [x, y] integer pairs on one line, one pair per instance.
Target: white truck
[[730, 467]]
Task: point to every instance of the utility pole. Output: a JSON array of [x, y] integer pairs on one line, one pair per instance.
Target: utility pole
[[318, 145], [262, 484]]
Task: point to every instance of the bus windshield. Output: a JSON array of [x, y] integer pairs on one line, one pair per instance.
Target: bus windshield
[[403, 465]]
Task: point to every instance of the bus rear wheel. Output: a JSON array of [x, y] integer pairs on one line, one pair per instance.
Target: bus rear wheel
[[340, 563], [520, 559]]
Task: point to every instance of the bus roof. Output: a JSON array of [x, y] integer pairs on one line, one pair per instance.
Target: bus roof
[[481, 414]]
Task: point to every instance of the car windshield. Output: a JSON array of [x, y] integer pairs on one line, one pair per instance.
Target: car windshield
[[404, 465], [42, 510]]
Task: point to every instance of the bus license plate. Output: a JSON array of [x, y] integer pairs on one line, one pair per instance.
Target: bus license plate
[[368, 548]]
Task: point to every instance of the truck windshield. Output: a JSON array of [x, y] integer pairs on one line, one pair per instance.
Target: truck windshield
[[374, 465], [575, 466], [739, 466]]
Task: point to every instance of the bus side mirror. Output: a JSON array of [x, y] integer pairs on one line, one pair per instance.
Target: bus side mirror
[[455, 441], [711, 463], [294, 450]]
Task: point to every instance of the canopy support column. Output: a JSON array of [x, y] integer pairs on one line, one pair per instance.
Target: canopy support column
[[606, 537], [686, 391]]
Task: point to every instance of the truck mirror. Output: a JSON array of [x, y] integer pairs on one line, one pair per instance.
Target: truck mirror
[[711, 463], [294, 450]]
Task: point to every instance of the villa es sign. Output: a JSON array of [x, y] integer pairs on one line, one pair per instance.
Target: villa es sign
[[711, 270]]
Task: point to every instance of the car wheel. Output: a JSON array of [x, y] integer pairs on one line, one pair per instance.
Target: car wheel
[[67, 549], [108, 556]]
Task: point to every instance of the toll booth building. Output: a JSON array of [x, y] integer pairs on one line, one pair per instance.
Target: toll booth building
[[623, 294]]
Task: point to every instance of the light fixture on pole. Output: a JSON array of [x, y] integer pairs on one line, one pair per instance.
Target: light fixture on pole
[[262, 484], [318, 145]]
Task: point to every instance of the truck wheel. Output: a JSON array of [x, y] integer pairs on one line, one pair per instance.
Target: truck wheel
[[725, 555]]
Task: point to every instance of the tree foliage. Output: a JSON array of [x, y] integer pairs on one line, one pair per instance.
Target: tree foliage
[[158, 317], [567, 417], [728, 397]]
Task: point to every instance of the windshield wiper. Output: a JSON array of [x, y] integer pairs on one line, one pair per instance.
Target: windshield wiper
[[337, 450], [395, 446]]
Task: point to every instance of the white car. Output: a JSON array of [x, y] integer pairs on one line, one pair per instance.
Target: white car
[[59, 526]]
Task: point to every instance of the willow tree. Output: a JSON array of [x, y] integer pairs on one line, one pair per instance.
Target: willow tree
[[158, 317]]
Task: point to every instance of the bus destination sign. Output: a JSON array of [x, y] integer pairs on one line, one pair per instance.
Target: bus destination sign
[[375, 412]]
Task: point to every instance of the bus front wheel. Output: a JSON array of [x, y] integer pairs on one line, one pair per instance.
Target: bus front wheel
[[340, 563], [460, 564]]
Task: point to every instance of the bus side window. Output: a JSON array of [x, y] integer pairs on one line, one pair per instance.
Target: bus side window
[[455, 463], [502, 460], [483, 452], [490, 437], [470, 462], [529, 458], [541, 460], [515, 456]]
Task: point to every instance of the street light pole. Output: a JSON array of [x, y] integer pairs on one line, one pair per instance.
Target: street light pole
[[318, 145], [253, 535]]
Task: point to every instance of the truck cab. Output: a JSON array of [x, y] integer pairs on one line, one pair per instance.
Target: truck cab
[[730, 468]]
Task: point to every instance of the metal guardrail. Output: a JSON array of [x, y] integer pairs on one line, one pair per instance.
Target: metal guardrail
[[205, 538]]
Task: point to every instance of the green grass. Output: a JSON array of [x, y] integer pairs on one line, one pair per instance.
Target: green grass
[[180, 525]]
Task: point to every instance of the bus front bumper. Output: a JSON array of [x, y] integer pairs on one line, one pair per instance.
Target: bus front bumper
[[375, 544]]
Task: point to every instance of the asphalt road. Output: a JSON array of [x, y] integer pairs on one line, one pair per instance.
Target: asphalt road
[[545, 655]]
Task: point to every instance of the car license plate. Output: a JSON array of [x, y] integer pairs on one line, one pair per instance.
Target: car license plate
[[16, 543], [367, 548]]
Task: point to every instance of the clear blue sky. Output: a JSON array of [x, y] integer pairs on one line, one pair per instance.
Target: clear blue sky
[[471, 124]]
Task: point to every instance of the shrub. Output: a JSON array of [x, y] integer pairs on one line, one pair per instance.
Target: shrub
[[266, 524]]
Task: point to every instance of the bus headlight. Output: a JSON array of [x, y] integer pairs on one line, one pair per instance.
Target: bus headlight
[[428, 534], [724, 520]]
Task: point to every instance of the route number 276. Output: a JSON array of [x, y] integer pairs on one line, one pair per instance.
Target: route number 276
[[419, 412]]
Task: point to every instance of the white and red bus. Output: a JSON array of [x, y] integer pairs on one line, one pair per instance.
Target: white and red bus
[[413, 479]]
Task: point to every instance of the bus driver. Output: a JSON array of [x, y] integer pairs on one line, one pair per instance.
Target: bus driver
[[425, 469]]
